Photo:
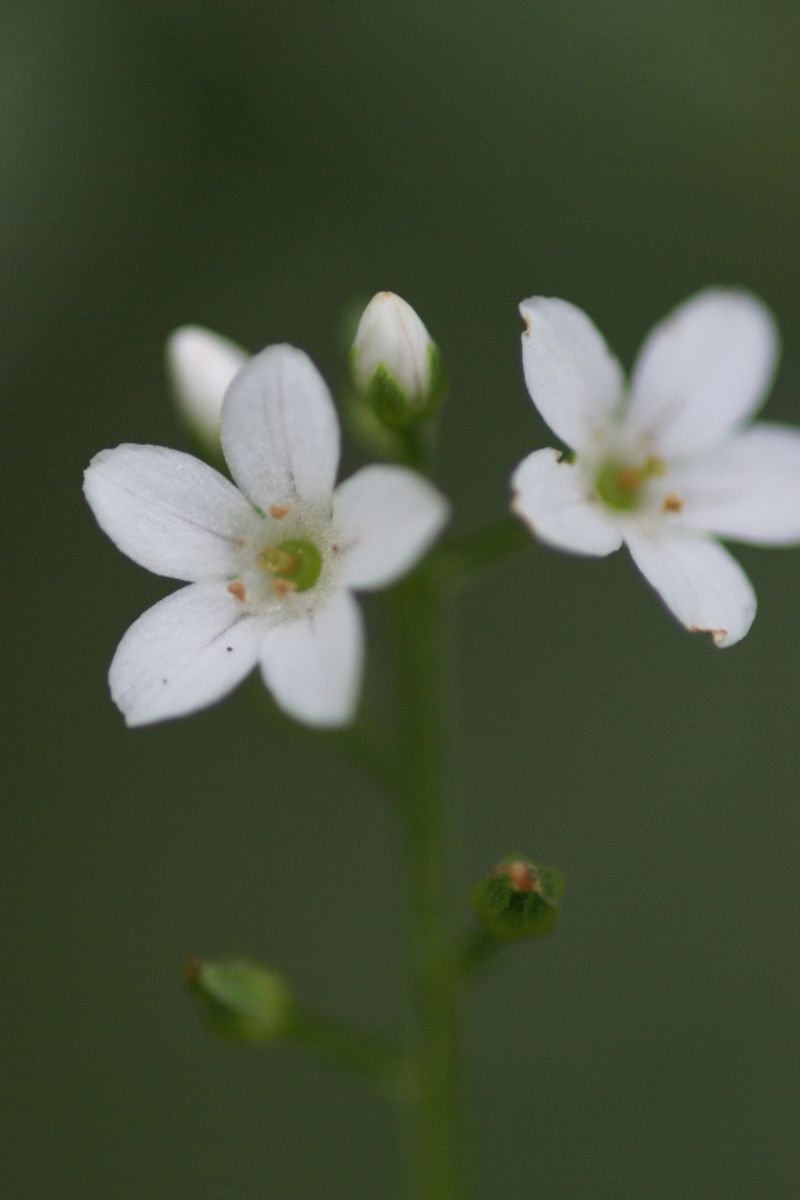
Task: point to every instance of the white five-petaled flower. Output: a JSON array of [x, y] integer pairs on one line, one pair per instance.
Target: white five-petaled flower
[[666, 465], [271, 564]]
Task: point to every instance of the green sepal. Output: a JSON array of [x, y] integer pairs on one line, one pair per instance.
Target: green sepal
[[393, 407], [518, 899], [389, 402], [437, 378], [241, 1001]]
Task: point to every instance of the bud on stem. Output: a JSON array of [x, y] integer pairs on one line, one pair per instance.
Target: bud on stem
[[395, 365], [201, 364], [518, 899], [240, 1000]]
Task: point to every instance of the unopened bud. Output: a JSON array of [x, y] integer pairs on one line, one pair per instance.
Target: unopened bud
[[395, 365], [201, 364], [240, 1000], [518, 899]]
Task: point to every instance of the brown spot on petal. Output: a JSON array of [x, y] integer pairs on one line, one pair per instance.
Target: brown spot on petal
[[278, 511], [672, 503], [717, 635], [237, 589]]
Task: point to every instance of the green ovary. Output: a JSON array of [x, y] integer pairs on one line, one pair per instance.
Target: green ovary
[[296, 562], [620, 486]]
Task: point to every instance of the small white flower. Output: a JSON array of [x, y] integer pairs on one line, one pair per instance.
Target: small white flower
[[667, 464], [201, 365], [271, 567], [394, 353]]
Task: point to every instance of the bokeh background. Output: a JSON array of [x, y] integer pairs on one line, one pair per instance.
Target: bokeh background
[[256, 167]]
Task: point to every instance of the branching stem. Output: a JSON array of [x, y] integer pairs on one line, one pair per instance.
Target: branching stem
[[377, 1063], [455, 560]]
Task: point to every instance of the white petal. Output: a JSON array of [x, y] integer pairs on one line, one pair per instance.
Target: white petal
[[748, 490], [313, 665], [387, 517], [390, 334], [167, 511], [702, 371], [698, 580], [280, 433], [574, 380], [183, 654], [549, 498], [201, 365]]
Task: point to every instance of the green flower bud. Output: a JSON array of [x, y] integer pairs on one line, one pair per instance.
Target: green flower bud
[[395, 366], [518, 899], [240, 1000]]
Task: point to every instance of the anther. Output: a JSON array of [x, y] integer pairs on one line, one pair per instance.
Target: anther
[[278, 511], [672, 503], [237, 589]]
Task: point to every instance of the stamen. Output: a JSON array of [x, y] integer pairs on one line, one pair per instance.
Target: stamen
[[654, 467], [672, 503], [237, 589], [278, 511]]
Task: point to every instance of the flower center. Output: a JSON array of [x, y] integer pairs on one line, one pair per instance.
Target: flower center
[[619, 485], [296, 565]]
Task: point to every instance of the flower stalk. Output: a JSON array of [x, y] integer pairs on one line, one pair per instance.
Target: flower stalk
[[437, 1153], [360, 1054], [272, 559], [459, 557]]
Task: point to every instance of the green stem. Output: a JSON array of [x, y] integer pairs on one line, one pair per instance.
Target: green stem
[[361, 1054], [437, 1154], [461, 556]]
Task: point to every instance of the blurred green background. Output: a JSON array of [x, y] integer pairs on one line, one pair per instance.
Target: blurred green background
[[254, 167]]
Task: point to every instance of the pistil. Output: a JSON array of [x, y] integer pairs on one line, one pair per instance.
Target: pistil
[[296, 565], [619, 485]]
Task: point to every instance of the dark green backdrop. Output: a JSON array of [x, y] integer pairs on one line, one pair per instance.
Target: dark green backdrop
[[254, 167]]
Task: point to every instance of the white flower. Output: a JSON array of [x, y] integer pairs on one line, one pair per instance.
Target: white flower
[[201, 365], [667, 464], [271, 567], [392, 347]]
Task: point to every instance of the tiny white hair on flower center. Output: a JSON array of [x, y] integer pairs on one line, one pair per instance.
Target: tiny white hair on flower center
[[666, 465], [288, 563]]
